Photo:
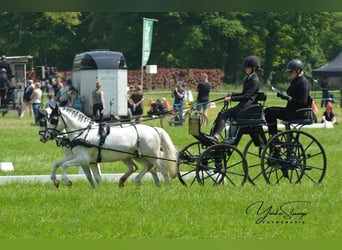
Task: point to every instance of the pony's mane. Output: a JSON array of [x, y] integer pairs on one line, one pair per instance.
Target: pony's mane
[[77, 114]]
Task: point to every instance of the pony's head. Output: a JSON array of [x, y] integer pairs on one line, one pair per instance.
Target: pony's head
[[55, 122], [43, 115], [50, 123]]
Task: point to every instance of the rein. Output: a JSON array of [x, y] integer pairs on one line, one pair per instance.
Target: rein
[[83, 142], [135, 154]]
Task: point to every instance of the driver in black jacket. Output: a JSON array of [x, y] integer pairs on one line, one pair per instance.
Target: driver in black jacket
[[296, 96]]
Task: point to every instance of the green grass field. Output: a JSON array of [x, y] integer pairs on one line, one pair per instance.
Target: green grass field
[[40, 211]]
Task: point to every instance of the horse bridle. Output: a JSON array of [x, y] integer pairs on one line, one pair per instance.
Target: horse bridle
[[54, 120], [43, 124]]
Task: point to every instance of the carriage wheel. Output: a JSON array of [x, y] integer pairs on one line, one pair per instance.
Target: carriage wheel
[[173, 120], [222, 164], [293, 156], [252, 154], [188, 158]]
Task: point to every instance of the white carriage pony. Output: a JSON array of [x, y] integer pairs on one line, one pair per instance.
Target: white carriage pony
[[63, 141], [92, 172], [146, 145]]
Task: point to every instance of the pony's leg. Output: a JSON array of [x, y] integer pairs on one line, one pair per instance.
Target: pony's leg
[[65, 178], [53, 177], [164, 172], [131, 169], [149, 166], [95, 168], [71, 161], [89, 176], [153, 171], [68, 155], [56, 165]]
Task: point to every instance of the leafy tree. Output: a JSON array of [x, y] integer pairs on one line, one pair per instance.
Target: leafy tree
[[45, 36], [180, 39]]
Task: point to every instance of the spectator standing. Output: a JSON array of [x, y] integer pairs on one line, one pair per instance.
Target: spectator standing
[[203, 90], [76, 101], [63, 99], [178, 103], [4, 64], [51, 102], [27, 98], [36, 99], [57, 87], [136, 103], [71, 92], [98, 103], [4, 84]]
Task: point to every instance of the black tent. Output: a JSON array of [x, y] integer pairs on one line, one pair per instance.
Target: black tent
[[331, 69]]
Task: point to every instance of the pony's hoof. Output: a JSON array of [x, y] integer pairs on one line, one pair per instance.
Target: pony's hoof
[[69, 184], [122, 182], [56, 183], [138, 184]]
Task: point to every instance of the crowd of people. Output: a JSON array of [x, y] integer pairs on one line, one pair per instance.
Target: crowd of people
[[62, 93]]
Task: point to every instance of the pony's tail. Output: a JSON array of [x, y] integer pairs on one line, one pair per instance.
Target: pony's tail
[[170, 152]]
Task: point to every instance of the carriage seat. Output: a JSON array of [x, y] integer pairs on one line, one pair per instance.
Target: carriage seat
[[303, 116], [248, 120], [253, 115]]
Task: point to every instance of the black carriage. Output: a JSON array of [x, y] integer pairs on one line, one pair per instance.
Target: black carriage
[[292, 155], [13, 101], [14, 98]]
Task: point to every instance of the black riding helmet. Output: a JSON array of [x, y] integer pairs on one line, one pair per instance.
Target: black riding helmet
[[295, 64], [252, 61]]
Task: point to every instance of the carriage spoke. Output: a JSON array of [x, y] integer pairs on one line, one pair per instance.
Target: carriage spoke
[[188, 159], [220, 164], [299, 156]]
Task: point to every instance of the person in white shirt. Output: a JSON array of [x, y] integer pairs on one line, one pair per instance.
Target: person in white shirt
[[36, 100]]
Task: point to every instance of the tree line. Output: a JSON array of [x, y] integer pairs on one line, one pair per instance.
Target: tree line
[[207, 40]]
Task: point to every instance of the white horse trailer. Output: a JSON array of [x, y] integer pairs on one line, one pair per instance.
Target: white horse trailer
[[110, 69]]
